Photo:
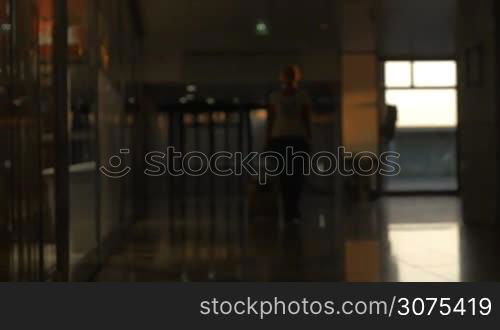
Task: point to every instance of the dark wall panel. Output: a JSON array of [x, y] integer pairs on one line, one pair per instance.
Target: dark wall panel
[[424, 28]]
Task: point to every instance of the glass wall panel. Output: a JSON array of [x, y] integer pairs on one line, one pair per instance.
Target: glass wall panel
[[48, 143], [101, 48], [424, 107], [6, 128], [21, 254], [435, 74], [101, 52], [398, 74], [82, 128], [109, 104]]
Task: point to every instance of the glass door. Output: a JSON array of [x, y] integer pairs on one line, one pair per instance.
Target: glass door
[[425, 95]]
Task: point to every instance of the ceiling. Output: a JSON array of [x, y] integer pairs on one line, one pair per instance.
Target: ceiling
[[228, 24]]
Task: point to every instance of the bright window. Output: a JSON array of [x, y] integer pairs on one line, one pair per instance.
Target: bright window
[[424, 107], [398, 74], [423, 91], [434, 74]]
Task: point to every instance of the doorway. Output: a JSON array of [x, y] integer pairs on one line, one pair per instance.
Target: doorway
[[425, 94]]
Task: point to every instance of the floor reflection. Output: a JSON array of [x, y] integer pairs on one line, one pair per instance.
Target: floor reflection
[[394, 239], [426, 252]]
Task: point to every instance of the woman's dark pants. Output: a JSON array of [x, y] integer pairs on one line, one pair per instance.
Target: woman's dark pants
[[293, 171]]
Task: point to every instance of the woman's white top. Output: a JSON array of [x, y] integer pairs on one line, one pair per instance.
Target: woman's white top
[[288, 114]]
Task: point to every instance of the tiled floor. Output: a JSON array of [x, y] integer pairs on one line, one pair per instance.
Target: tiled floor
[[394, 239]]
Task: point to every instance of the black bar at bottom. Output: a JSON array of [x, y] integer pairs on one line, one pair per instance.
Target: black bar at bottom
[[251, 306]]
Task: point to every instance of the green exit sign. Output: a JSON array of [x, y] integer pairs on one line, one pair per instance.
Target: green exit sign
[[261, 28]]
